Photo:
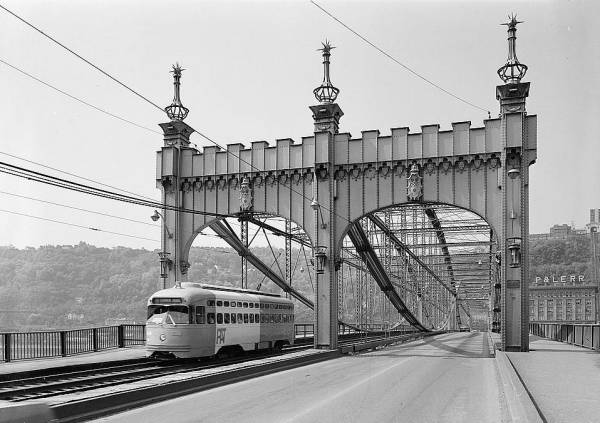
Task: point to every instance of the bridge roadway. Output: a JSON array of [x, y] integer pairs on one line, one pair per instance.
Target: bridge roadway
[[451, 378]]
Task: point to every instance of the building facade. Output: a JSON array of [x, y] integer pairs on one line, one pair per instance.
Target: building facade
[[563, 303], [568, 298]]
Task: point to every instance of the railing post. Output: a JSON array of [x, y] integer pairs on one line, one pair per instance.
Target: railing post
[[7, 340], [121, 336], [95, 339], [63, 343]]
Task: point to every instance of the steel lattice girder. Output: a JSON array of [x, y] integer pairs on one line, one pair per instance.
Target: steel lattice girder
[[364, 249], [232, 239], [435, 222], [280, 232], [403, 247]]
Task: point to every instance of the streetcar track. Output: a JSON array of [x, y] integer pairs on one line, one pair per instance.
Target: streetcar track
[[73, 382]]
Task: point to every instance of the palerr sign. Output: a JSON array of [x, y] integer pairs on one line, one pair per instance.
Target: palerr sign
[[559, 279]]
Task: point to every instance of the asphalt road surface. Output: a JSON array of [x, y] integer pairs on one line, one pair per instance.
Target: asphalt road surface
[[447, 378]]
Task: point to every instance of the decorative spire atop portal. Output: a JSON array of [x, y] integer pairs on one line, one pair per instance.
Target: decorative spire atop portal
[[513, 71], [176, 111], [326, 92]]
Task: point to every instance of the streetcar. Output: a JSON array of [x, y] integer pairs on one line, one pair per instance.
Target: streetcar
[[199, 320]]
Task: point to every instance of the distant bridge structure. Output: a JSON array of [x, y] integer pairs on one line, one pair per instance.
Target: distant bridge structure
[[412, 225]]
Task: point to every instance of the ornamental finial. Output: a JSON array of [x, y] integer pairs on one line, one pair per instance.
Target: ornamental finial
[[176, 111], [326, 92], [513, 71]]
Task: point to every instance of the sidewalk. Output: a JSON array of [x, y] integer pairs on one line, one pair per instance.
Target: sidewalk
[[562, 379], [129, 353]]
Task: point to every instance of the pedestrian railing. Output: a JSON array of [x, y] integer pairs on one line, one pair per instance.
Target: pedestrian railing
[[31, 345], [583, 335]]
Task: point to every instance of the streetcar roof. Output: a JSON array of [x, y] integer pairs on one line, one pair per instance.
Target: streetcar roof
[[192, 291]]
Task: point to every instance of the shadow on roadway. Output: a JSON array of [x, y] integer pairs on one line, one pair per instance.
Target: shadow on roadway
[[443, 345]]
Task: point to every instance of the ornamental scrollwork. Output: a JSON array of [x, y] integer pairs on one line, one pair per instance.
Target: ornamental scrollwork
[[414, 190]]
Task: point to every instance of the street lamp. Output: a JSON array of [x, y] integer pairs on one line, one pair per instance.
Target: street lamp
[[514, 247], [165, 265], [320, 257], [157, 216], [314, 204]]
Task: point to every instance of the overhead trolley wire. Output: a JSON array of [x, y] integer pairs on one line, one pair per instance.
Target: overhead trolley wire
[[392, 58], [78, 226], [78, 208], [73, 174], [86, 189]]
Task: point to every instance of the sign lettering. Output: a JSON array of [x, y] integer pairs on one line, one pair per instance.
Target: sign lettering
[[221, 335], [554, 279]]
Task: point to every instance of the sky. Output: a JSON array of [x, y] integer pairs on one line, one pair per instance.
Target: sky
[[250, 68]]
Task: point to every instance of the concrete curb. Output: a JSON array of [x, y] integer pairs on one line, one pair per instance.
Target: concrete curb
[[491, 345], [28, 412], [521, 408]]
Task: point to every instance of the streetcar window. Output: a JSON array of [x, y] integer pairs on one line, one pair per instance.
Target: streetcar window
[[262, 305], [251, 305], [262, 318], [255, 305], [245, 317], [239, 303], [284, 317], [226, 318], [226, 303], [233, 304], [257, 318], [219, 303], [233, 318], [240, 318], [220, 318], [251, 316], [210, 303], [278, 318], [169, 314], [245, 305], [200, 315], [210, 318], [272, 318]]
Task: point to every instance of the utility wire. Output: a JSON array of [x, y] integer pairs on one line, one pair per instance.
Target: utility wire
[[73, 174], [155, 105], [81, 57], [76, 98], [86, 189], [78, 226], [80, 209], [392, 58]]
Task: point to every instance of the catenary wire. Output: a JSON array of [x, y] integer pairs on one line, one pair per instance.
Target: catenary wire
[[73, 174], [392, 58], [78, 208], [78, 226], [86, 189], [76, 98]]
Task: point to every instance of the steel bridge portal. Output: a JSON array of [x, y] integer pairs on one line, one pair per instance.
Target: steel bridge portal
[[426, 229]]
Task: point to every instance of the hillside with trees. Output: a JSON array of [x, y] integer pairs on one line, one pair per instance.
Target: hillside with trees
[[56, 287], [556, 257], [53, 287]]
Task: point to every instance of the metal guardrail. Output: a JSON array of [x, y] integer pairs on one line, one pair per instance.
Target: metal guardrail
[[31, 345], [582, 335]]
